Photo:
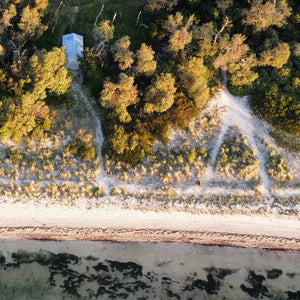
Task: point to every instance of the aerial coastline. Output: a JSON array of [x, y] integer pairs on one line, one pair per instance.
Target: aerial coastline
[[158, 121]]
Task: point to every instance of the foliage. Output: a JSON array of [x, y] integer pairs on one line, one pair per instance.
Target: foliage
[[237, 158], [161, 93], [276, 57], [160, 4], [179, 32], [122, 53], [276, 107], [104, 31], [194, 78], [145, 60], [264, 14], [81, 149], [131, 147], [277, 168], [28, 75], [120, 95]]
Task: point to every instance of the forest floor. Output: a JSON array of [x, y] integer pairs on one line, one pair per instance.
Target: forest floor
[[226, 174]]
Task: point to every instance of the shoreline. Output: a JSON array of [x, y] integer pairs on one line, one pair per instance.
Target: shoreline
[[116, 224], [127, 235]]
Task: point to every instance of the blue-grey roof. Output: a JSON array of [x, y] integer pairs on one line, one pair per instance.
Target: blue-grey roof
[[74, 48]]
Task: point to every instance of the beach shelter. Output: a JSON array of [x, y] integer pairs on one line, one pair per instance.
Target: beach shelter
[[74, 47]]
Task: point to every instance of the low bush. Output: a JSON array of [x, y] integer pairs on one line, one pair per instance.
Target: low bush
[[81, 149]]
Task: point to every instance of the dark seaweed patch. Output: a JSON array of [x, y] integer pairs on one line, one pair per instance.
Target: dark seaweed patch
[[220, 273], [211, 286], [73, 282], [291, 275], [100, 266], [293, 295], [90, 257], [274, 273], [257, 288], [2, 260], [128, 268], [171, 294]]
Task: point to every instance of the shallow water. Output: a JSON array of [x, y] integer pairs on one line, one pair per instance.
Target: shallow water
[[105, 270]]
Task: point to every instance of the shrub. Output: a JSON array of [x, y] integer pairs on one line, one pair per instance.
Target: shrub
[[82, 150]]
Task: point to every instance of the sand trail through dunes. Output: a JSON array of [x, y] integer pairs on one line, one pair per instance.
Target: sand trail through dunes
[[236, 113]]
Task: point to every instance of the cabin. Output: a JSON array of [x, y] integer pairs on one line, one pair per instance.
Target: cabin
[[74, 47]]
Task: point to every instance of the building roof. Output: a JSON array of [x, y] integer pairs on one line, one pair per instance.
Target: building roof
[[74, 48]]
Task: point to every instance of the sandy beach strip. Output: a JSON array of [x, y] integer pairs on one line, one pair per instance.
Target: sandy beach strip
[[111, 223]]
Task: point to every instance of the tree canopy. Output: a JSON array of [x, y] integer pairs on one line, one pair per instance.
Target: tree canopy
[[28, 74]]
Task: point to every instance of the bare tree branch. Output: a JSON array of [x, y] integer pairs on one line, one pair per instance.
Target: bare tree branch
[[227, 22], [96, 20]]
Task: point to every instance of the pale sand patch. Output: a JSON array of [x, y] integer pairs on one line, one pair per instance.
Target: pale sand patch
[[117, 224]]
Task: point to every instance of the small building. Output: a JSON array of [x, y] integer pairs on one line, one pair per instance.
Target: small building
[[74, 47]]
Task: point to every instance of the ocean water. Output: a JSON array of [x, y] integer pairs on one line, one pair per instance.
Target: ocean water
[[105, 270]]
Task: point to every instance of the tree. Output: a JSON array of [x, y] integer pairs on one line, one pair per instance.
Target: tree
[[297, 49], [179, 33], [161, 94], [30, 23], [28, 74], [159, 4], [205, 37], [234, 56], [41, 5], [122, 53], [49, 74], [145, 60], [132, 146], [263, 15], [23, 115], [7, 15], [276, 57], [194, 77], [2, 51], [245, 76], [223, 5], [104, 31], [231, 50], [118, 96]]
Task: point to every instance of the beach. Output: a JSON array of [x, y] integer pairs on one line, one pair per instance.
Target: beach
[[113, 223]]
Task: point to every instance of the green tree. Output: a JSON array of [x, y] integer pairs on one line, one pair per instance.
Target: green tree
[[30, 23], [276, 57], [161, 94], [223, 5], [234, 56], [180, 35], [118, 96], [160, 4], [23, 115], [231, 51], [263, 14], [104, 31], [49, 74], [122, 53], [145, 60], [194, 77]]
